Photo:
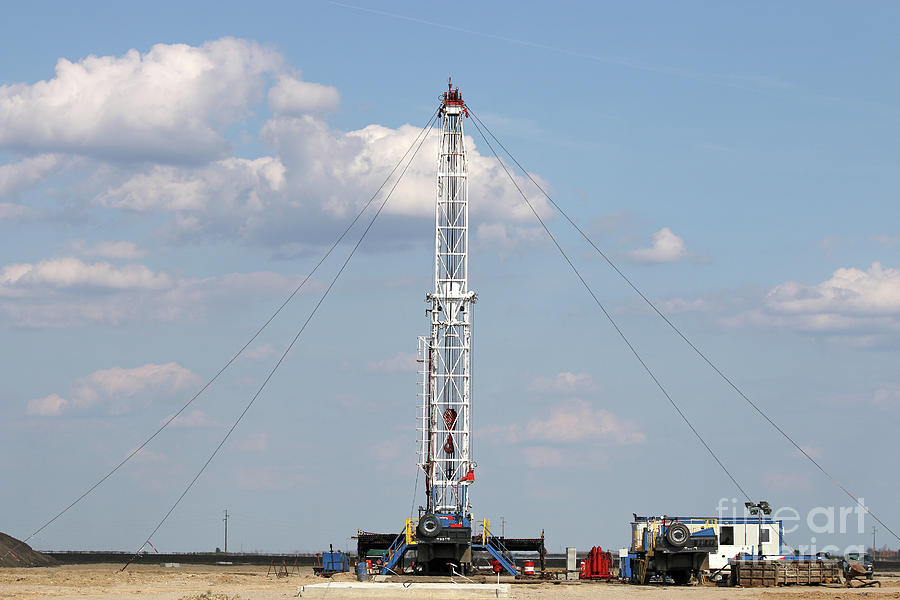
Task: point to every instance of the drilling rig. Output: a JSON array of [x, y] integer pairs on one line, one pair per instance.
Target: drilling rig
[[444, 536], [445, 524]]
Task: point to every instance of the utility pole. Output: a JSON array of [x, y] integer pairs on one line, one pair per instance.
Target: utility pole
[[226, 530], [873, 544], [503, 528]]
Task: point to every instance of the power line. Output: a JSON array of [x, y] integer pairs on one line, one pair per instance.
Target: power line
[[287, 350], [678, 331], [608, 315], [244, 347]]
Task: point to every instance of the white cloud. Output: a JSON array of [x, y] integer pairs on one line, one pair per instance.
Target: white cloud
[[543, 457], [117, 387], [887, 395], [859, 307], [342, 169], [49, 406], [667, 247], [318, 176], [257, 441], [72, 272], [402, 362], [171, 104], [267, 478], [109, 249], [260, 352], [574, 421], [150, 129], [62, 293], [848, 292], [856, 307], [505, 238], [193, 419], [18, 176], [293, 97], [780, 480], [14, 212], [118, 390], [563, 382], [237, 185]]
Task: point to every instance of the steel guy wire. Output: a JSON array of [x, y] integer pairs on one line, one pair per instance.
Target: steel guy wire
[[244, 347], [287, 350], [680, 334], [608, 315]]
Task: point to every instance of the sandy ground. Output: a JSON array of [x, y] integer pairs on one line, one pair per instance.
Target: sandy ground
[[142, 582]]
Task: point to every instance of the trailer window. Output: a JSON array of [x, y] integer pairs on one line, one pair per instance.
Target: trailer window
[[726, 536], [764, 535]]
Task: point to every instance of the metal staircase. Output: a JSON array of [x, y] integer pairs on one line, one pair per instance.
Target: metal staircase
[[495, 548], [398, 547]]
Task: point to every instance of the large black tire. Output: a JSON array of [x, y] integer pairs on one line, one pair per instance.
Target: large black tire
[[429, 526], [678, 535]]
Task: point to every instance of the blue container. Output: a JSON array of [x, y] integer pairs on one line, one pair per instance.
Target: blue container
[[362, 573], [335, 562]]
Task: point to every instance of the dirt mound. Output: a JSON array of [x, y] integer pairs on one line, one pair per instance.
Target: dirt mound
[[16, 553]]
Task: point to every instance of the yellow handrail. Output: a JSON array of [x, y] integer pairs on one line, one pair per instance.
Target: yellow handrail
[[410, 532]]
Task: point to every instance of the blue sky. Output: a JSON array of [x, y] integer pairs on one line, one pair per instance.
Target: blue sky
[[169, 174]]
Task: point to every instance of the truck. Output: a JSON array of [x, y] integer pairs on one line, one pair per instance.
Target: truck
[[683, 548]]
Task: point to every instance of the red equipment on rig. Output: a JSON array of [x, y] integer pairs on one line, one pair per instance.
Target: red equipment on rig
[[596, 565]]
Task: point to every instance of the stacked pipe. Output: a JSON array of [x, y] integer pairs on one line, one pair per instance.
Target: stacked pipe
[[596, 565]]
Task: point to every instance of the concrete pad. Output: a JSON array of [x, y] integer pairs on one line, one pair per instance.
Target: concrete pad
[[417, 591]]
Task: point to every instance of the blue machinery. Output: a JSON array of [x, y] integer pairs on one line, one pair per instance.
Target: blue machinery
[[483, 540]]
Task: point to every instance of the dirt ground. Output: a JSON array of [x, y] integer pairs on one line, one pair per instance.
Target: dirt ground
[[143, 582]]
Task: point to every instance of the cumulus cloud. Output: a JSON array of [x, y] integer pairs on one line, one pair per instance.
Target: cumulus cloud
[[49, 406], [67, 292], [563, 382], [667, 247], [236, 184], [402, 362], [117, 390], [193, 419], [268, 478], [260, 352], [72, 272], [18, 176], [109, 249], [506, 238], [152, 133], [14, 212], [576, 420], [345, 167], [542, 457], [858, 307], [848, 292], [317, 178], [257, 441], [887, 395], [573, 421], [171, 104], [292, 96], [780, 480]]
